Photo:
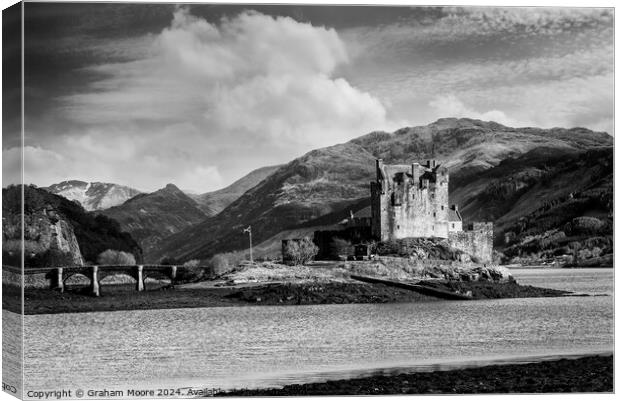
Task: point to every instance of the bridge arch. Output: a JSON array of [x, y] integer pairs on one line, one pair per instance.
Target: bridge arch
[[108, 274], [72, 277], [95, 275]]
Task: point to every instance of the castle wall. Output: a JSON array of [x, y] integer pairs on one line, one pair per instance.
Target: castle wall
[[455, 226], [476, 241], [410, 201], [416, 216]]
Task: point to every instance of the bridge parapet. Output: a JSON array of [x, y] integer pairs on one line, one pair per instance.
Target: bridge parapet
[[56, 277]]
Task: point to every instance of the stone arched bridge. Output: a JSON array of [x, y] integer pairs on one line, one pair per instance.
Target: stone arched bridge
[[57, 276]]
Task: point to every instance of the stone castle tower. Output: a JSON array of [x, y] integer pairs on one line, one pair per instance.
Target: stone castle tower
[[412, 201]]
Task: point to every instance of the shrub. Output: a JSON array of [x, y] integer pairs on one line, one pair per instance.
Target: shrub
[[12, 253], [421, 248], [225, 262], [585, 225], [191, 271], [50, 258], [112, 257], [219, 264], [300, 252], [388, 248]]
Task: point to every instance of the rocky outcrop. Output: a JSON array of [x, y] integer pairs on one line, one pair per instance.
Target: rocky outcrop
[[44, 230], [58, 232], [407, 269]]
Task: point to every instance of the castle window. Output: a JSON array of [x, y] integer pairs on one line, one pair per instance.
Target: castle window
[[452, 225], [434, 214], [397, 227], [441, 207]]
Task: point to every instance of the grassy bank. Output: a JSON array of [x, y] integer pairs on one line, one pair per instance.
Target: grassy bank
[[587, 374], [125, 297], [114, 298]]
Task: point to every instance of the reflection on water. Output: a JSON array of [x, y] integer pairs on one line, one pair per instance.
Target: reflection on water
[[589, 281], [275, 345]]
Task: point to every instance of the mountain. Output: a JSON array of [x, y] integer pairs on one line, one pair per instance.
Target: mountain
[[540, 202], [93, 195], [331, 179], [151, 217], [57, 230], [211, 203]]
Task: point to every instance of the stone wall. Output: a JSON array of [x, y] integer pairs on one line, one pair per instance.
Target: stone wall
[[410, 201], [477, 241], [13, 278]]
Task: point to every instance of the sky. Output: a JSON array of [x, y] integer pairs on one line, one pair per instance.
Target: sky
[[199, 95]]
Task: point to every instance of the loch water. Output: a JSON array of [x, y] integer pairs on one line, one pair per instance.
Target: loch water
[[266, 346]]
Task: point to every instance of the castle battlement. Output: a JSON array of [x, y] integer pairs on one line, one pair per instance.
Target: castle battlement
[[412, 201], [409, 201]]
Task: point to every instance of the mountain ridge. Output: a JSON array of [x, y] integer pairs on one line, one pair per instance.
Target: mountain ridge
[[150, 217], [81, 233], [211, 203], [329, 179], [93, 195]]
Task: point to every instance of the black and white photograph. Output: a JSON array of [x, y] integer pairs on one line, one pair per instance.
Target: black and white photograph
[[260, 200]]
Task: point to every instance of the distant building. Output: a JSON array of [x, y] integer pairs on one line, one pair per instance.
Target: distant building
[[411, 201]]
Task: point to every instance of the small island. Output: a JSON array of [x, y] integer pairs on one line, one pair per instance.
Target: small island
[[409, 245]]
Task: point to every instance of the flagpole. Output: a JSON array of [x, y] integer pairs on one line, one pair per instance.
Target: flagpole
[[249, 231], [251, 258]]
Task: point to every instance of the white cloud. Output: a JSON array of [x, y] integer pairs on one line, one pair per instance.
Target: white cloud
[[201, 104], [42, 163], [547, 67], [255, 88], [313, 111]]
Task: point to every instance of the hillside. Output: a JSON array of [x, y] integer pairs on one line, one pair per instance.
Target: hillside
[[334, 178], [93, 195], [211, 203], [151, 217], [55, 223]]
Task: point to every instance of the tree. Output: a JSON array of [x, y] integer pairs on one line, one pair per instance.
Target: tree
[[49, 258], [168, 260], [225, 262], [112, 257], [300, 252], [191, 271]]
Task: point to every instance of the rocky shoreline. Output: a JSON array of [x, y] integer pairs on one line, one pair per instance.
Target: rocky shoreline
[[125, 297], [582, 375]]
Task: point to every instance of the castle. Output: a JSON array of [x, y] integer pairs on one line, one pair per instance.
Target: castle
[[412, 201], [409, 201]]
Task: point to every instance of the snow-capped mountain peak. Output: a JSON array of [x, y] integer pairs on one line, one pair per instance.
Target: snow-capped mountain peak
[[93, 195]]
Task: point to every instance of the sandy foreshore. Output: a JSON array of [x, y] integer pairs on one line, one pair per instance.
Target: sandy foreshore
[[125, 297], [582, 375]]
